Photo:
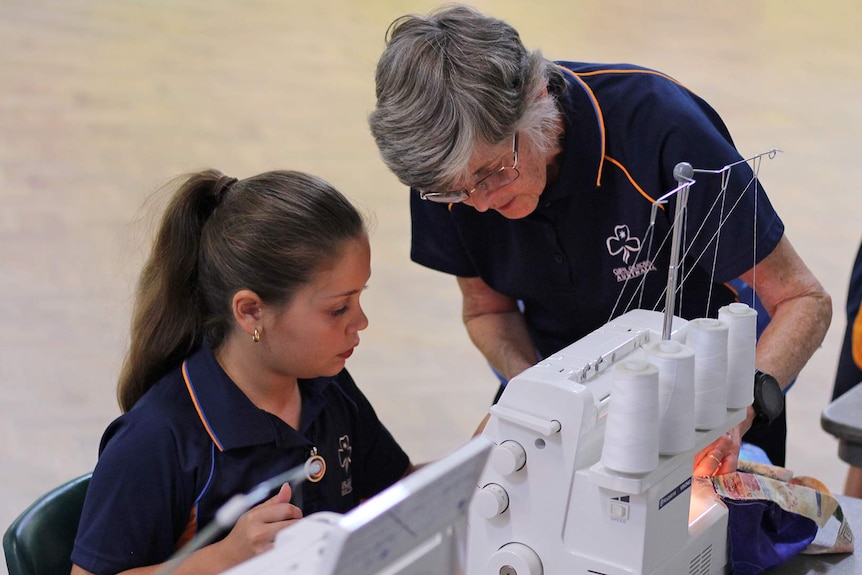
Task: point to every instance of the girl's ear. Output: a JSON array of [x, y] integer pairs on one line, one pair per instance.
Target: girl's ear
[[247, 311]]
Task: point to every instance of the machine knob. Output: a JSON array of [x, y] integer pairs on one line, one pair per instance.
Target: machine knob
[[508, 457], [490, 501], [515, 559]]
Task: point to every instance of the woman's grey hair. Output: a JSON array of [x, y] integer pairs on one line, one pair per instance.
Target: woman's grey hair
[[450, 81]]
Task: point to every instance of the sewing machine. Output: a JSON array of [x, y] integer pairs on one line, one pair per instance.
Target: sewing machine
[[546, 503]]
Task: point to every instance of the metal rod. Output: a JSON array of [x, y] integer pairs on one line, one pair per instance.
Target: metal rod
[[771, 154], [683, 173]]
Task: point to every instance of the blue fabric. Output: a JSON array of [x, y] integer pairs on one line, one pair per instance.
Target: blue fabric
[[762, 535], [753, 453], [849, 373]]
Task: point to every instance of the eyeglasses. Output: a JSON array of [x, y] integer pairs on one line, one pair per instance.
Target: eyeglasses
[[502, 176]]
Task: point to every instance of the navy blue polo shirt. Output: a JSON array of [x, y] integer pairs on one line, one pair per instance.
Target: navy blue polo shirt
[[588, 253], [194, 440], [849, 370]]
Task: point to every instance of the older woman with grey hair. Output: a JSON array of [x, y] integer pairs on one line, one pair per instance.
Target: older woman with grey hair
[[532, 182]]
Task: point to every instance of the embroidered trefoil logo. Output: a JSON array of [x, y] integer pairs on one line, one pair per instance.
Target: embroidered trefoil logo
[[622, 241], [344, 453]]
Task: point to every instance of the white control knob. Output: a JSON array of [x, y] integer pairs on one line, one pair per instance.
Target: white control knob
[[515, 559], [490, 501], [508, 457]]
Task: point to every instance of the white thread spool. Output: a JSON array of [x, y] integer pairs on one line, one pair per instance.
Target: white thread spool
[[741, 321], [707, 337], [675, 363], [631, 431]]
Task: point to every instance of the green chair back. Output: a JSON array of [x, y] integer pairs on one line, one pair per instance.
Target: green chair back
[[39, 541]]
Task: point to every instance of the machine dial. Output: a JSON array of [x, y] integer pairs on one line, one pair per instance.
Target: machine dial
[[508, 457], [515, 559], [490, 501]]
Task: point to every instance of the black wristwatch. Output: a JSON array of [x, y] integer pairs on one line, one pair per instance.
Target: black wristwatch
[[768, 398]]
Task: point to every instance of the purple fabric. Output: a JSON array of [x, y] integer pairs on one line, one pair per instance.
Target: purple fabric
[[762, 535]]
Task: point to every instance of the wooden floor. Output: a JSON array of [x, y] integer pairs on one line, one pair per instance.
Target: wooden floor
[[102, 102]]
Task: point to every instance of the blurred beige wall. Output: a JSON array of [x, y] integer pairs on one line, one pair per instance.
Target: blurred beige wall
[[103, 102]]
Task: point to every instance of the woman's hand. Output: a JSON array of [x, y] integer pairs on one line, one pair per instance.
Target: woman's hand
[[719, 457], [722, 455]]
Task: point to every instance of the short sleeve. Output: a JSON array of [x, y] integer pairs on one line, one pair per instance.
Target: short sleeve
[[849, 372], [435, 239], [729, 214], [137, 504]]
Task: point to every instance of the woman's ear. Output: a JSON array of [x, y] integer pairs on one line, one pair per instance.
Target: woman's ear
[[247, 311]]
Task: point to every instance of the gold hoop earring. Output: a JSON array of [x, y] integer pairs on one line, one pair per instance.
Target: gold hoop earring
[[256, 337]]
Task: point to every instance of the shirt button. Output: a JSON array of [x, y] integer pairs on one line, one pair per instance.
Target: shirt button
[[558, 258]]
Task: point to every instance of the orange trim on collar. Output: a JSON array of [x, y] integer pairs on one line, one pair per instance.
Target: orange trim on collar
[[598, 110], [622, 71], [578, 76], [633, 182], [198, 407]]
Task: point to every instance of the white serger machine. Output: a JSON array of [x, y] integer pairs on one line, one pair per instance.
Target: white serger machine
[[548, 504], [591, 470]]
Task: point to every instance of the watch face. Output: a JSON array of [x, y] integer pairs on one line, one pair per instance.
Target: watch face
[[768, 397]]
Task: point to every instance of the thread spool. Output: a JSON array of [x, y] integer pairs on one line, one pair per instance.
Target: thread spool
[[707, 337], [631, 432], [741, 321], [675, 363]]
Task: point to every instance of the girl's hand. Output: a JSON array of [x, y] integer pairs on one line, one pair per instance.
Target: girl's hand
[[255, 531]]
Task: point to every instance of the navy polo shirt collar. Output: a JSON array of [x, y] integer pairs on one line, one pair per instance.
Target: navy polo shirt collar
[[231, 419], [584, 141]]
